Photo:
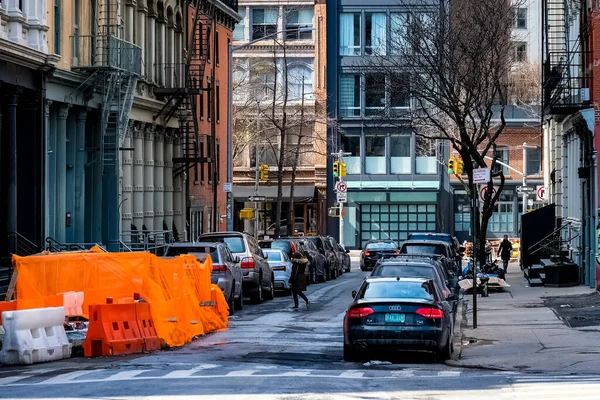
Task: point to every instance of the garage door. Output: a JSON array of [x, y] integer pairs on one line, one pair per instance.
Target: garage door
[[395, 221]]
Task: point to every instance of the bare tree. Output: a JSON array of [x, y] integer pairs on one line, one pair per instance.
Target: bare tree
[[453, 61]]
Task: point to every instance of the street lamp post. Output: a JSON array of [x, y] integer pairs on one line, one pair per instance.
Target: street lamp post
[[230, 50]]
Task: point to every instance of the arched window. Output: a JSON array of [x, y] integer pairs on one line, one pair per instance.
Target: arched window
[[300, 80], [262, 79]]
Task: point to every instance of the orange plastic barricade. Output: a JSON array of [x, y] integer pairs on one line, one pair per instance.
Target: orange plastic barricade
[[113, 330], [146, 325], [7, 306]]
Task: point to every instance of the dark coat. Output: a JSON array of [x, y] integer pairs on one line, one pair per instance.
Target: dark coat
[[298, 278], [505, 249]]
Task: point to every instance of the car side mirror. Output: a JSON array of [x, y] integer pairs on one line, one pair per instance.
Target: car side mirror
[[347, 251], [354, 293]]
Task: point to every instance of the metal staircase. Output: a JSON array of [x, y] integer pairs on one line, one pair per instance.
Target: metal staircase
[[182, 99], [114, 66], [23, 247]]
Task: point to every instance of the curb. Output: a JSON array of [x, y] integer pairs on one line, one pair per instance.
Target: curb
[[458, 333]]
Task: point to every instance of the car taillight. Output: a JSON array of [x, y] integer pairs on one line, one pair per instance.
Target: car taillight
[[434, 313], [247, 263], [293, 248], [218, 268], [360, 312], [367, 253], [396, 252]]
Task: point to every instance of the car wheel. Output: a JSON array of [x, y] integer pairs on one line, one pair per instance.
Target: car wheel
[[239, 302], [231, 301], [352, 355], [257, 296], [334, 274], [446, 352], [270, 294]]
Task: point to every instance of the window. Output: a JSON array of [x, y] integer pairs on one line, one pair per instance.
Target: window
[[520, 52], [400, 159], [201, 156], [350, 96], [201, 104], [374, 94], [534, 161], [351, 144], [209, 222], [239, 33], [300, 81], [210, 155], [426, 155], [399, 92], [520, 21], [266, 154], [77, 15], [57, 25], [262, 79], [210, 101], [217, 161], [375, 161], [376, 29], [462, 211], [398, 33], [349, 34], [264, 22], [218, 100], [503, 156], [217, 46], [296, 19], [502, 219]]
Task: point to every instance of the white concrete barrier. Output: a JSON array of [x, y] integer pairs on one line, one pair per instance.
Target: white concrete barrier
[[34, 336]]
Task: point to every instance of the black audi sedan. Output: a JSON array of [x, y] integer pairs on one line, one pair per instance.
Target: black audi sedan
[[398, 314], [375, 250]]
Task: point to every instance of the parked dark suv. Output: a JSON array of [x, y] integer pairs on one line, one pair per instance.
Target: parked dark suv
[[324, 247]]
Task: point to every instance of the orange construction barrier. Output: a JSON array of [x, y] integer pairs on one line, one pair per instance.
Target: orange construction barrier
[[175, 288], [146, 326], [113, 330], [7, 306]]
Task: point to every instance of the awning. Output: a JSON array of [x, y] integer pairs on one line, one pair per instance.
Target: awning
[[301, 193]]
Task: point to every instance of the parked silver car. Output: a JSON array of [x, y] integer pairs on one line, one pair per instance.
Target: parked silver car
[[281, 264], [226, 271], [258, 278]]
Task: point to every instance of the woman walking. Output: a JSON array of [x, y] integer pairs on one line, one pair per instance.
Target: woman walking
[[298, 279], [504, 251]]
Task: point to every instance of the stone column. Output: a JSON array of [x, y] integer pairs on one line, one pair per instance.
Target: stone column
[[129, 23], [61, 171], [150, 53], [16, 19], [11, 175], [138, 176], [36, 19], [142, 12], [127, 187], [149, 177], [80, 160], [50, 197], [158, 180], [170, 50], [168, 181], [178, 199]]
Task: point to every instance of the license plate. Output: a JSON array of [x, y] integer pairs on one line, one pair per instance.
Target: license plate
[[395, 318]]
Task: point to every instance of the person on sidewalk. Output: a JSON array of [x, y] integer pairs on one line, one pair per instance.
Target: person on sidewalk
[[504, 251], [298, 280]]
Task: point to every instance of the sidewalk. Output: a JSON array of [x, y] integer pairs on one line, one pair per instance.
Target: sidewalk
[[517, 331]]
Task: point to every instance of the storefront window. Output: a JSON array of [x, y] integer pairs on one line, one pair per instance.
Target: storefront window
[[462, 211]]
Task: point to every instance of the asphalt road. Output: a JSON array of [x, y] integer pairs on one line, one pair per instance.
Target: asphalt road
[[273, 352]]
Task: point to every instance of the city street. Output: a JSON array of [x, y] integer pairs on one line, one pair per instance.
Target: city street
[[273, 352]]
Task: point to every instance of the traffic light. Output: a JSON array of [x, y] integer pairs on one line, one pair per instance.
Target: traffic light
[[459, 166], [336, 169], [342, 170], [264, 172], [247, 213], [451, 165]]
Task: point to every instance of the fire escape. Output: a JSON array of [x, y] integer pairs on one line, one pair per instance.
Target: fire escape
[[182, 96], [566, 80], [114, 66]]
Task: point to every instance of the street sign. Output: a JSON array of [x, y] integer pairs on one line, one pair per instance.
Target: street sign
[[227, 187], [342, 197], [525, 189], [257, 199], [541, 193], [483, 191], [341, 187], [481, 175]]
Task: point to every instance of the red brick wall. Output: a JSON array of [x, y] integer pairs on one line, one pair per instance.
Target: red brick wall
[[513, 138], [201, 191]]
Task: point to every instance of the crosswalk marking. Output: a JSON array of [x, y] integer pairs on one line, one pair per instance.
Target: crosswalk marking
[[125, 375], [449, 373], [352, 374], [67, 378], [12, 379], [242, 372], [185, 373]]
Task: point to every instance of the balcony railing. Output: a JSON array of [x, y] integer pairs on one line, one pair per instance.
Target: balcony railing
[[106, 52], [567, 82]]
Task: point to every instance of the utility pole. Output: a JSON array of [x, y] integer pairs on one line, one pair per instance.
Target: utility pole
[[256, 180]]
